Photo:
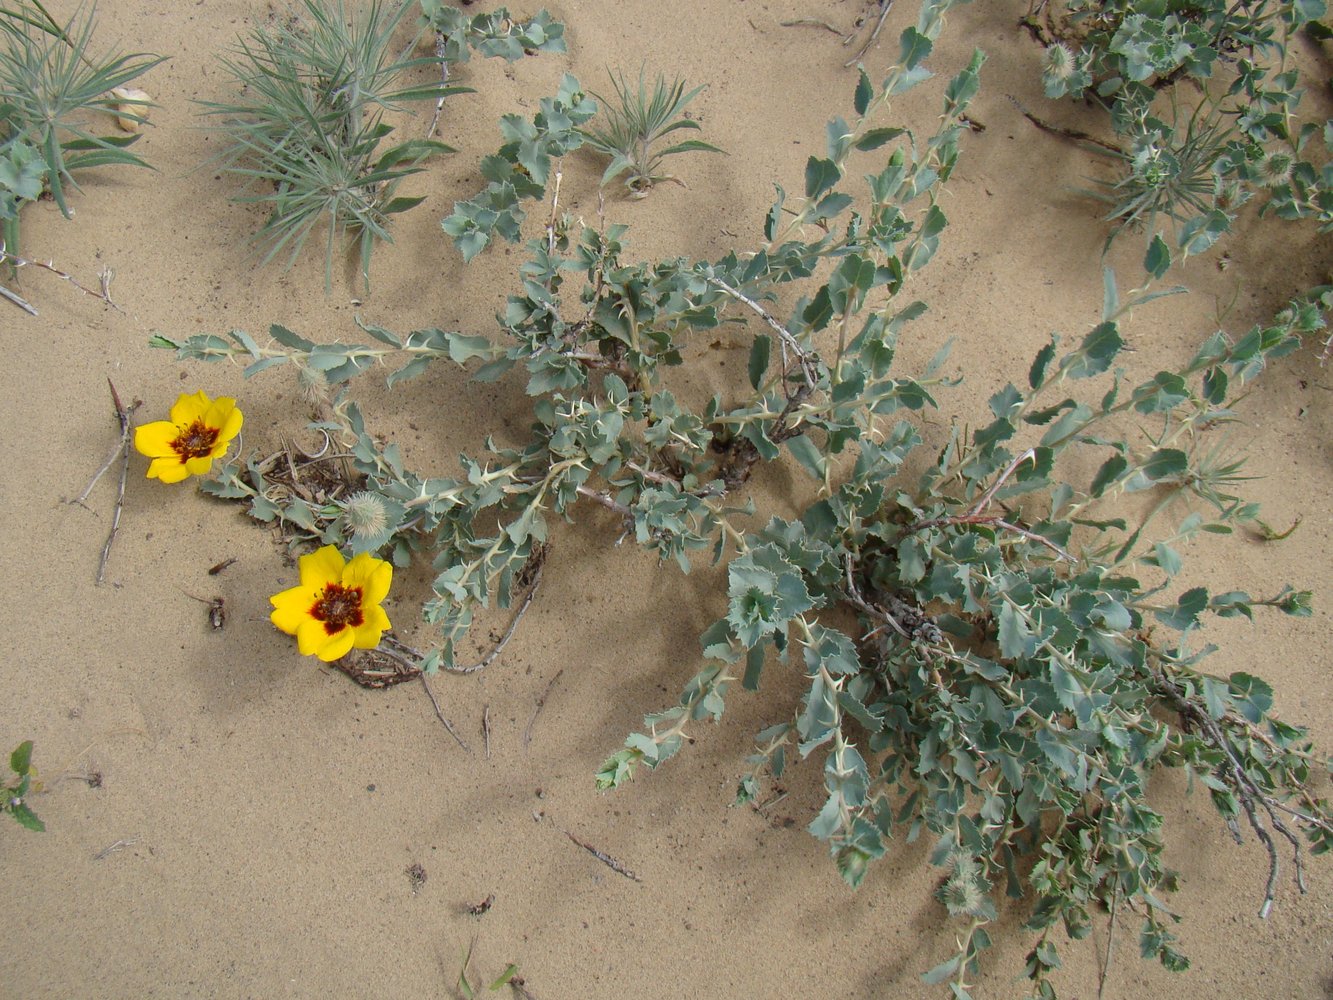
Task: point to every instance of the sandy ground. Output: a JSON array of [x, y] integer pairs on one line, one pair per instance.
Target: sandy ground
[[267, 811]]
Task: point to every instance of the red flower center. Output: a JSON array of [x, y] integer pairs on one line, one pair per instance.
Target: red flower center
[[195, 441], [338, 607]]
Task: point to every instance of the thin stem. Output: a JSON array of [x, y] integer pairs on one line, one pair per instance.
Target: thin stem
[[884, 7], [803, 357], [444, 82], [440, 715], [104, 277], [984, 501], [999, 522], [489, 658]]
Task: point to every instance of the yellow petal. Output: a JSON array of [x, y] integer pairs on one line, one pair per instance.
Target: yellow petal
[[337, 646], [168, 470], [198, 466], [154, 440], [188, 409], [223, 414], [373, 576], [377, 617], [322, 567], [310, 636], [372, 628], [291, 607]]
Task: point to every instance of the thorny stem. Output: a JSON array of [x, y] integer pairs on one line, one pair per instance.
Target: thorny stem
[[444, 82], [984, 500], [803, 357], [1250, 795], [965, 955], [456, 491], [104, 277], [539, 558], [606, 501]]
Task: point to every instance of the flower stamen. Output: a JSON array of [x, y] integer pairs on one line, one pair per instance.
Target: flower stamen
[[195, 441], [338, 607]]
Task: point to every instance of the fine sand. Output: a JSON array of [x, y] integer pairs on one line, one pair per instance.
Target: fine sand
[[226, 819]]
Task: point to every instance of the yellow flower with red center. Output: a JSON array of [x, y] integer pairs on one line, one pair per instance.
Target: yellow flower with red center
[[337, 605], [199, 431]]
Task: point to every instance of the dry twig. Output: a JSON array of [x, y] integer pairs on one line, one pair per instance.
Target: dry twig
[[884, 7], [604, 858], [104, 279], [541, 703], [1067, 133], [124, 416], [1252, 798], [812, 22], [440, 715], [119, 845]]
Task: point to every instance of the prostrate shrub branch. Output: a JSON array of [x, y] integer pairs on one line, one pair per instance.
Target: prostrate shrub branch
[[1016, 661]]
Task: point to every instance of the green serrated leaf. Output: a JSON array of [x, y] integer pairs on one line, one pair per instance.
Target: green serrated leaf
[[820, 177], [864, 92], [27, 818], [915, 48], [1157, 261], [20, 761], [1014, 635], [759, 357]]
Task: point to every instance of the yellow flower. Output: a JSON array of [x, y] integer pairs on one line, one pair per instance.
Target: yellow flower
[[337, 605], [200, 430]]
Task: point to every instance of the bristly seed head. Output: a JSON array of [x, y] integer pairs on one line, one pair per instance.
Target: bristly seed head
[[366, 515], [962, 896], [963, 892], [1059, 61], [1275, 169], [313, 385]]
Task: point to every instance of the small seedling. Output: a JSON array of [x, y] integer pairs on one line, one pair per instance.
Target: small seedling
[[636, 120], [16, 789], [509, 977]]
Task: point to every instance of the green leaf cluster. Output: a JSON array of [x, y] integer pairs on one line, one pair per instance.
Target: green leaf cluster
[[637, 119], [50, 84], [494, 33], [307, 130], [520, 169], [1229, 130]]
